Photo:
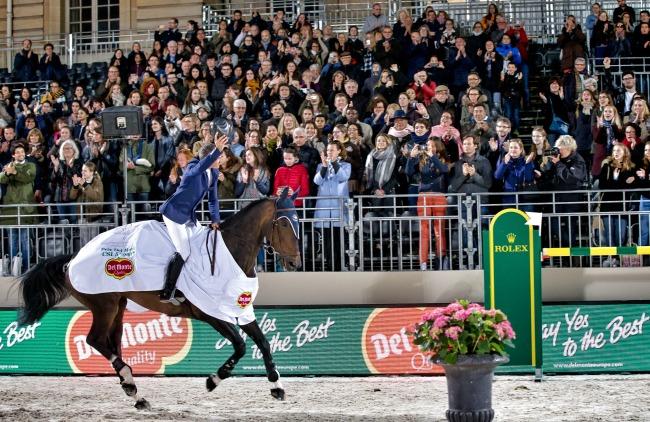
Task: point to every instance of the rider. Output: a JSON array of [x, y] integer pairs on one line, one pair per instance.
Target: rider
[[179, 211]]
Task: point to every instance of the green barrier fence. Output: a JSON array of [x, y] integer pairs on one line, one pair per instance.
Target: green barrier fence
[[326, 341]]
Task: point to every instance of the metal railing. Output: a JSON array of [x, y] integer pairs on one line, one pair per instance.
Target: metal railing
[[639, 65], [542, 19], [367, 233], [78, 47]]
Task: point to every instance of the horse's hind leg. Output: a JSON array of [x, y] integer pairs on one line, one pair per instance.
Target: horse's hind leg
[[230, 332], [107, 310], [254, 331]]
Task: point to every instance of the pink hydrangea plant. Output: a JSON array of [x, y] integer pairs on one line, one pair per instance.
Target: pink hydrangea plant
[[463, 328]]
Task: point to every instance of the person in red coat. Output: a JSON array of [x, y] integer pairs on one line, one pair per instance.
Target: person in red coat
[[424, 88], [293, 175]]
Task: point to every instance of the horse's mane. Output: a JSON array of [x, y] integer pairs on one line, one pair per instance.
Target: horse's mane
[[243, 214]]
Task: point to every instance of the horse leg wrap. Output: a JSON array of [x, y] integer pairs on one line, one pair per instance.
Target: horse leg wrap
[[125, 373], [118, 365], [226, 369], [272, 373]]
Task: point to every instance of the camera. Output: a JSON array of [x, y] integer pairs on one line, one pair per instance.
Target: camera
[[553, 152]]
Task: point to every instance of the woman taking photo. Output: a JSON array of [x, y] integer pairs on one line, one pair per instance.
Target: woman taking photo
[[427, 166]]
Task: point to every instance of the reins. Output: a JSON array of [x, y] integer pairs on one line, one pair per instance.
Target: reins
[[212, 257]]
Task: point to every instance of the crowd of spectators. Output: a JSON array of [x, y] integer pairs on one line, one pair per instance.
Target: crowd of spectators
[[414, 108]]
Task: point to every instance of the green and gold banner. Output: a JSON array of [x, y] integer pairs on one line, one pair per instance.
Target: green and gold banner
[[512, 281]]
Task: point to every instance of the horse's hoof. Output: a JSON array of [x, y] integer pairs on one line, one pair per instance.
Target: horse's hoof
[[277, 393], [142, 404], [211, 382], [129, 389]]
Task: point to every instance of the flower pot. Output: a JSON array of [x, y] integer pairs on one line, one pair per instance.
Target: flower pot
[[469, 387]]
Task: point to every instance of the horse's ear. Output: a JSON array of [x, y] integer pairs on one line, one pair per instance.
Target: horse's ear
[[295, 194], [284, 193]]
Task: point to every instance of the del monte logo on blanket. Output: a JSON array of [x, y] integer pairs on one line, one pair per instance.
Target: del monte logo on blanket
[[119, 267], [150, 341], [244, 299]]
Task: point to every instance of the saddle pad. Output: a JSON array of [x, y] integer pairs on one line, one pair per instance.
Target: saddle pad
[[134, 258]]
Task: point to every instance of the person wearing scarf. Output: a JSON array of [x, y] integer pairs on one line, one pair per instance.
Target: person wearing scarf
[[515, 171], [401, 129], [427, 165], [476, 42], [379, 172], [608, 131]]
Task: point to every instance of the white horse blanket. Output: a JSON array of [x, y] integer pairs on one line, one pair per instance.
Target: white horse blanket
[[134, 258]]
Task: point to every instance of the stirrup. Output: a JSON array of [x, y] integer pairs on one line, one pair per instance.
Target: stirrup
[[176, 301]]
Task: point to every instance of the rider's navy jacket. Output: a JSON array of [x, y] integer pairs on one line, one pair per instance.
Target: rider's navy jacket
[[181, 206]]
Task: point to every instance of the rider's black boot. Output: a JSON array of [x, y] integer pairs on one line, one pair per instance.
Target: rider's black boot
[[171, 277]]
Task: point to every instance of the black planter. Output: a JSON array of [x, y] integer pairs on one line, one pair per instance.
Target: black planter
[[469, 387]]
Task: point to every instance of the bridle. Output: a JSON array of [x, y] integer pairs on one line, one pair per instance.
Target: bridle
[[268, 244]]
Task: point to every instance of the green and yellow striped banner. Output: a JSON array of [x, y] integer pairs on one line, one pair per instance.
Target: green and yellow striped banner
[[597, 251]]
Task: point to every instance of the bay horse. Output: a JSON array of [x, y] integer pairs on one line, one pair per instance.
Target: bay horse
[[275, 219]]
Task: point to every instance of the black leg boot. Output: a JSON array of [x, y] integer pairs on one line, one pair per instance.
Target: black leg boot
[[171, 277]]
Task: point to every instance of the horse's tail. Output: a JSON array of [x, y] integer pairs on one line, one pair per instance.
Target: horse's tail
[[42, 287]]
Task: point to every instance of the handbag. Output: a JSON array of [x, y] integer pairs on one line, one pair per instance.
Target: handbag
[[557, 126], [17, 265], [5, 271], [631, 260]]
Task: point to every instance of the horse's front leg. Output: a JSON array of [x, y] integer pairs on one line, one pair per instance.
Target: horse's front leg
[[230, 332], [254, 331]]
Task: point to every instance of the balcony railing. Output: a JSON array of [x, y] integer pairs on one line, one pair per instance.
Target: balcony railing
[[393, 234]]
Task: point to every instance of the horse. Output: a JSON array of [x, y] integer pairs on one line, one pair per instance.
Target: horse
[[275, 219]]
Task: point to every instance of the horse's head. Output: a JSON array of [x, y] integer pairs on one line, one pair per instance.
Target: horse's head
[[285, 232]]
